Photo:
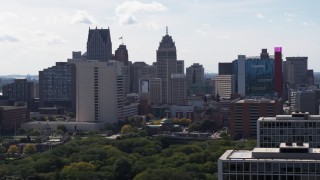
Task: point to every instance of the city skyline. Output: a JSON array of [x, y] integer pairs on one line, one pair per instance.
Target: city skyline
[[34, 35]]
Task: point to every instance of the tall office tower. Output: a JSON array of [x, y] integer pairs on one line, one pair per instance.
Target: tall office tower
[[99, 92], [241, 75], [264, 54], [296, 69], [278, 71], [259, 78], [57, 86], [310, 77], [151, 88], [140, 70], [290, 161], [99, 46], [225, 69], [179, 89], [180, 66], [297, 127], [166, 65], [121, 54], [245, 113], [195, 79], [20, 90], [224, 85]]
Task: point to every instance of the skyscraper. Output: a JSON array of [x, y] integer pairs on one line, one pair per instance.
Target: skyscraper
[[296, 69], [99, 90], [278, 71], [57, 86], [121, 54], [166, 65], [180, 66], [178, 89], [20, 90], [195, 79], [140, 70], [99, 46]]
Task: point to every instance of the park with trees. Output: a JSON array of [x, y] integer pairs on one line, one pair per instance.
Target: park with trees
[[127, 157]]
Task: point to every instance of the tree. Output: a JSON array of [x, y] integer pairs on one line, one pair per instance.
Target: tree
[[13, 149], [71, 114], [126, 129], [21, 131], [62, 127], [29, 149], [51, 118], [34, 132], [123, 169], [79, 170], [194, 127], [218, 97]]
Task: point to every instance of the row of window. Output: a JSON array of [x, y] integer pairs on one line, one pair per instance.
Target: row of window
[[269, 177], [268, 167]]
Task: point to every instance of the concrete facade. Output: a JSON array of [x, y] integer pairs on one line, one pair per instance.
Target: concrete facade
[[99, 91]]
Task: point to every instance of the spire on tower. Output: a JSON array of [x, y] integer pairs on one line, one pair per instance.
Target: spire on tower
[[167, 30]]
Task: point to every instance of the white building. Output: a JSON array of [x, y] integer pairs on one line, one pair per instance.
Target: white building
[[290, 161], [99, 91]]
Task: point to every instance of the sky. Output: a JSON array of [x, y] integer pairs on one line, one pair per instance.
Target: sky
[[35, 34]]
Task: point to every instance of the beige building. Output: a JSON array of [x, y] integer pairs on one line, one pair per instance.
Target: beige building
[[179, 89], [224, 85], [151, 89], [99, 89]]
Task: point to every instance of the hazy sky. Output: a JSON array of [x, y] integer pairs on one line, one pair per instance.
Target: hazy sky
[[34, 34]]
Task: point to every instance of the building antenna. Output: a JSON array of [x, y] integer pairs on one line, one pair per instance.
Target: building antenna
[[121, 39], [167, 30]]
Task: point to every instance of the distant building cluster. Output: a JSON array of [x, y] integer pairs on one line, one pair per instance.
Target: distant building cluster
[[103, 86]]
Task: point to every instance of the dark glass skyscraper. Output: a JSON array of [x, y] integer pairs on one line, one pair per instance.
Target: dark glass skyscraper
[[99, 46], [259, 77], [166, 65]]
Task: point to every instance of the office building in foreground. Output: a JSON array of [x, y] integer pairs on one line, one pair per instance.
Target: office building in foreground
[[291, 161], [298, 127]]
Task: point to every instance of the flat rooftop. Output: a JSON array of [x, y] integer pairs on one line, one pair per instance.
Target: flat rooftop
[[274, 154], [12, 107], [293, 117], [255, 101]]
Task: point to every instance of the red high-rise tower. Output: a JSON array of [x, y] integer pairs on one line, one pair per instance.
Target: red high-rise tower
[[278, 71]]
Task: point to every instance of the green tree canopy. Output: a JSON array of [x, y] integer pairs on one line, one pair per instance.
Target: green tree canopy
[[13, 149], [62, 127], [29, 149], [126, 129]]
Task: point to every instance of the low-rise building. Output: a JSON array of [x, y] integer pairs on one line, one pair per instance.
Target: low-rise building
[[290, 161], [297, 127]]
